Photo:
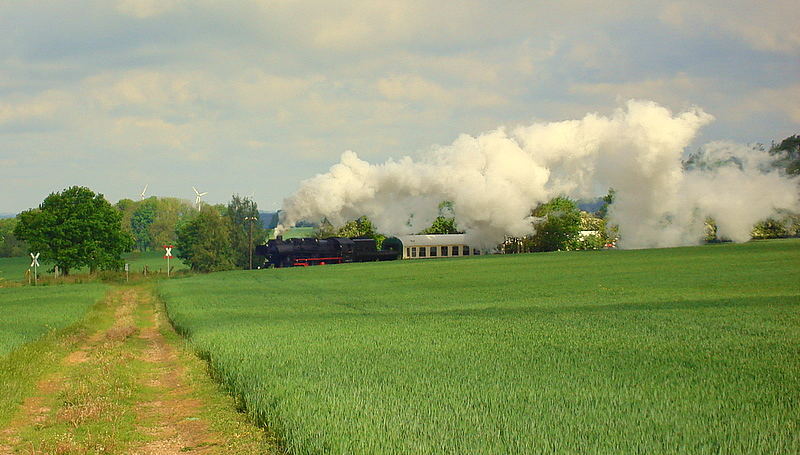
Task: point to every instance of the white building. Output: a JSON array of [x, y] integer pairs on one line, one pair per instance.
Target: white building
[[436, 246]]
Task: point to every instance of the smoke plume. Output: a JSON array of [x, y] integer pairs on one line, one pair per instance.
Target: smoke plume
[[495, 179]]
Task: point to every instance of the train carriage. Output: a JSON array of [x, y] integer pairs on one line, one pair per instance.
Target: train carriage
[[427, 246]]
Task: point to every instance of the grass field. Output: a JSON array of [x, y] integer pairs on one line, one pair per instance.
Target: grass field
[[154, 260], [30, 312], [38, 327], [13, 269], [685, 350]]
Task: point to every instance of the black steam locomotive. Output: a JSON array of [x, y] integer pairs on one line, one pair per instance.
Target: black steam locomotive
[[304, 252]]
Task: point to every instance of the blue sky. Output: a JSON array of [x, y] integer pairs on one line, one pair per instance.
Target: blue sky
[[255, 96]]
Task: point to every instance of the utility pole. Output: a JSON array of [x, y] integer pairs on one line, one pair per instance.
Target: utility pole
[[250, 238]]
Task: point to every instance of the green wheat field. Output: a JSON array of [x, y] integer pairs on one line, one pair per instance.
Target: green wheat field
[[28, 313], [13, 269], [684, 350]]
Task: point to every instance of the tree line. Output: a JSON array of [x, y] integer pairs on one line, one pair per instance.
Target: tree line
[[79, 228]]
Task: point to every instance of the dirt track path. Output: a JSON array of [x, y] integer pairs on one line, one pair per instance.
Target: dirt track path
[[133, 388], [178, 427]]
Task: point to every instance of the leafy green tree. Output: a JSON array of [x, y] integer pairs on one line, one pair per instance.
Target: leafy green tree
[[608, 199], [126, 207], [589, 242], [594, 235], [203, 241], [242, 212], [170, 213], [769, 229], [141, 219], [710, 230], [699, 161], [787, 154], [442, 225], [445, 223], [559, 225], [75, 228], [360, 227], [325, 230], [10, 245]]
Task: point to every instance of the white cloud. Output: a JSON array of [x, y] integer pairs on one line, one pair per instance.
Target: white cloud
[[467, 67], [785, 100], [766, 26], [413, 88], [149, 89], [682, 90], [196, 94], [39, 107], [417, 89], [259, 90], [144, 131], [143, 9], [676, 90], [361, 25], [279, 78], [680, 83]]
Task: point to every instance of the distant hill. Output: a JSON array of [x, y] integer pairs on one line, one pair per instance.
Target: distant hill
[[7, 215]]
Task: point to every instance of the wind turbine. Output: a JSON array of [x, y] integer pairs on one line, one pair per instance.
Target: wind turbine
[[199, 195], [143, 191]]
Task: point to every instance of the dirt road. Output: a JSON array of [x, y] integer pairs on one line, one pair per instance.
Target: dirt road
[[131, 387]]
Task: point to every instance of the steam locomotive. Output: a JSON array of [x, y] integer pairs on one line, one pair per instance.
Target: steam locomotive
[[305, 252]]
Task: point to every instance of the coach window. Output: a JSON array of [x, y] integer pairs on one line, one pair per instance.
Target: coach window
[[444, 250], [414, 252], [466, 250], [422, 252], [455, 251], [433, 251]]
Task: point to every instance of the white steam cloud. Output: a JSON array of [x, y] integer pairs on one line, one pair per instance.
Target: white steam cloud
[[496, 179]]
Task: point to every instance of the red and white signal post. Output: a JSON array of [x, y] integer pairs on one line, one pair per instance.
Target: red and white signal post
[[167, 256]]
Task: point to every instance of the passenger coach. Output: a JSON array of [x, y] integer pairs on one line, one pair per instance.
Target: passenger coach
[[432, 246]]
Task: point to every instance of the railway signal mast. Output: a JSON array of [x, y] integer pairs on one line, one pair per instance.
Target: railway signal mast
[[35, 265], [168, 255]]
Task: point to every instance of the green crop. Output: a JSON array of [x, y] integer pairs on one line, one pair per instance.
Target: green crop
[[29, 312], [13, 269], [684, 350]]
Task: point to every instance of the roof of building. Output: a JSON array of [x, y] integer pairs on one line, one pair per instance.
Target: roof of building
[[433, 239]]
